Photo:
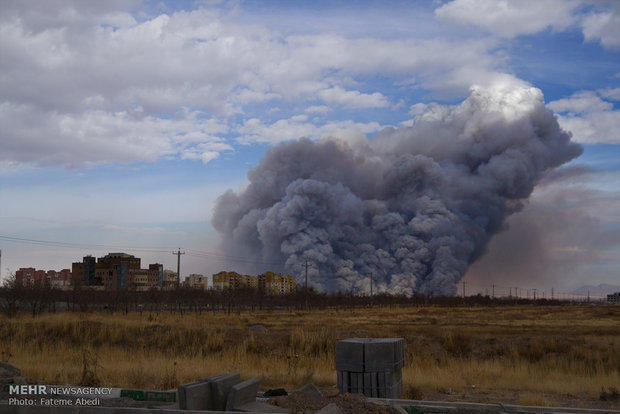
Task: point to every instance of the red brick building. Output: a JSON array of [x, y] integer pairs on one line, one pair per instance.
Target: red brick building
[[117, 271], [29, 276]]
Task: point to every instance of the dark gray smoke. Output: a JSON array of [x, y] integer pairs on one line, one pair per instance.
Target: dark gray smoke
[[412, 206]]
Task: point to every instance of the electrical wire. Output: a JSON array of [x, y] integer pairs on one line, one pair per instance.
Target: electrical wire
[[200, 254]]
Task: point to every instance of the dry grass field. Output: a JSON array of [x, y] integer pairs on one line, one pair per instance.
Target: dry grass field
[[532, 355]]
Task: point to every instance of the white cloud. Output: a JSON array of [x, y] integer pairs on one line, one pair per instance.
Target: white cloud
[[510, 18], [417, 109], [206, 151], [95, 136], [603, 26], [254, 130], [318, 109], [85, 84], [353, 99], [610, 93], [92, 83], [589, 118]]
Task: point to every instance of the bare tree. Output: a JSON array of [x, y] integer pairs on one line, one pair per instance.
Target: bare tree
[[11, 295]]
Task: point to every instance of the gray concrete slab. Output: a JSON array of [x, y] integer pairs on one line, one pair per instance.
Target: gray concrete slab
[[350, 355], [382, 354], [197, 396], [242, 393], [346, 382], [182, 395], [220, 387], [373, 385], [367, 383]]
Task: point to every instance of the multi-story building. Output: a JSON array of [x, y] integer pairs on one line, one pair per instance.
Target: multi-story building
[[29, 276], [276, 284], [272, 283], [196, 281], [233, 280], [171, 281], [60, 280], [117, 271], [84, 272], [613, 298]]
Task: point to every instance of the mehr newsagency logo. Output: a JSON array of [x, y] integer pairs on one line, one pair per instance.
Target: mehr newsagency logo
[[56, 395]]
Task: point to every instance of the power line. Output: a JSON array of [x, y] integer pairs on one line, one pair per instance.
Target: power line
[[201, 254], [78, 245]]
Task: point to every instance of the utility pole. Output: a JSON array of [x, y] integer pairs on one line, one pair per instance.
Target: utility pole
[[552, 293], [306, 266], [370, 288], [178, 254], [493, 296], [534, 290]]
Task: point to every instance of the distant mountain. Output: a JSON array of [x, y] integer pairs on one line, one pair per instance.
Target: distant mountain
[[600, 290]]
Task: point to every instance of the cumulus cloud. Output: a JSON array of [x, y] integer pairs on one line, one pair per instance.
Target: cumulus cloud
[[353, 99], [255, 130], [510, 18], [413, 206], [604, 26], [90, 74], [95, 136], [589, 117]]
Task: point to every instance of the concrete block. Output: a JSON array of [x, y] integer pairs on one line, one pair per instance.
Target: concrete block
[[383, 354], [220, 386], [373, 384], [242, 393], [350, 355], [381, 384], [197, 396], [181, 394], [367, 384], [353, 386]]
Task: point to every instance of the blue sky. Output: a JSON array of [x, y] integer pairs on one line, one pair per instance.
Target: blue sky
[[121, 122]]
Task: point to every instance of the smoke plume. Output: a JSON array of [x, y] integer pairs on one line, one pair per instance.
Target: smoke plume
[[412, 206]]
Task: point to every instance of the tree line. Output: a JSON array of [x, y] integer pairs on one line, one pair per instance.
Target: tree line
[[37, 299]]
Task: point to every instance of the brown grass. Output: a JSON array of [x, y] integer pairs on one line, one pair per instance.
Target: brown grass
[[536, 353]]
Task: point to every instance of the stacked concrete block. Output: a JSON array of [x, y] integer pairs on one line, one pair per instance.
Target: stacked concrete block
[[220, 388], [224, 392], [208, 393], [371, 366]]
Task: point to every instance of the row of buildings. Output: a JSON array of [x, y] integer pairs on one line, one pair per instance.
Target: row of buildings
[[274, 283], [269, 282], [122, 271], [29, 276], [119, 271]]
